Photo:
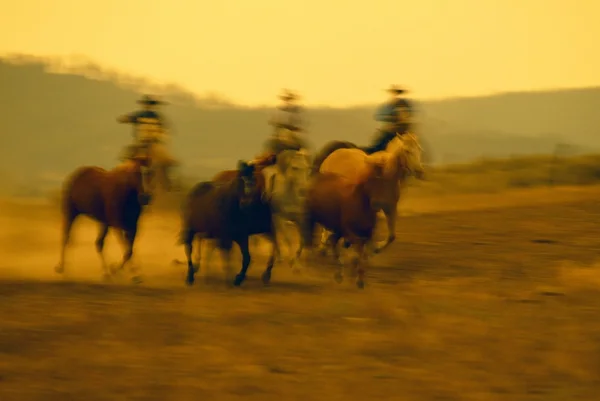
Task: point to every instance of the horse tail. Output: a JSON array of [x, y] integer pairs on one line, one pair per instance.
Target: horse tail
[[327, 150]]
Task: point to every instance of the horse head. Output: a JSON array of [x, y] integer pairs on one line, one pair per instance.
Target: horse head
[[248, 187], [406, 156]]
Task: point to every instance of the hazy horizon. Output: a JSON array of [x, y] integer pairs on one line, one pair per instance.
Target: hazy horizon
[[79, 66], [333, 53]]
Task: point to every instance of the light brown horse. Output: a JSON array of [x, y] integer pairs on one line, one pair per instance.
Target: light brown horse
[[401, 158], [113, 198], [348, 208]]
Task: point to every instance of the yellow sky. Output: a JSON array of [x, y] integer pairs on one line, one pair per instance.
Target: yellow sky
[[335, 52]]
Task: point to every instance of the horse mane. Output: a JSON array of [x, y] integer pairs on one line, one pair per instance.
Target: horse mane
[[396, 160], [328, 149]]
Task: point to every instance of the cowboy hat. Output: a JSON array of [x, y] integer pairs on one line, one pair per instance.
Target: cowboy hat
[[150, 100], [288, 95], [396, 89]]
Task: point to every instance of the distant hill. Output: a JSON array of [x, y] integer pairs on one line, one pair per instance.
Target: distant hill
[[56, 121]]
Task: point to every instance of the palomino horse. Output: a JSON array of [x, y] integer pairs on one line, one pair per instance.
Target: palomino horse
[[255, 218], [401, 158], [228, 211], [347, 207], [287, 182], [114, 198]]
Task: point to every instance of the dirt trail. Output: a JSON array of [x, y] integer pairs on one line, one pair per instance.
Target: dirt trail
[[497, 304]]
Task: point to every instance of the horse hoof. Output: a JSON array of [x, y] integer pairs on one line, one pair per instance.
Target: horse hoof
[[136, 280], [106, 277], [266, 277], [59, 269], [196, 268], [338, 277], [239, 279], [323, 252], [189, 280], [114, 269], [360, 284]]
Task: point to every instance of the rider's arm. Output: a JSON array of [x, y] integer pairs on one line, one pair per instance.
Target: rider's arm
[[127, 118]]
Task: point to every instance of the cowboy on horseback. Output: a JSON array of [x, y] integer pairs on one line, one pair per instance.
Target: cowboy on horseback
[[148, 123], [395, 117], [287, 124], [149, 132]]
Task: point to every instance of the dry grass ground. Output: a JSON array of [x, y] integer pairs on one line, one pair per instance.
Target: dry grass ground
[[483, 297]]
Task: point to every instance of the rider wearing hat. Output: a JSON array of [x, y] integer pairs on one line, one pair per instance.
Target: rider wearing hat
[[287, 122], [145, 119], [395, 117], [149, 133]]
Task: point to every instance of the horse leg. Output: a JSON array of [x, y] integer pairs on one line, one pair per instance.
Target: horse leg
[[324, 241], [266, 276], [197, 258], [307, 236], [226, 254], [278, 223], [339, 273], [210, 247], [391, 214], [359, 262], [188, 242], [244, 244], [128, 237], [100, 249], [285, 234], [70, 214], [295, 264]]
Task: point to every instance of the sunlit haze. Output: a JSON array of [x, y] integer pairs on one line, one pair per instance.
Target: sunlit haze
[[333, 52]]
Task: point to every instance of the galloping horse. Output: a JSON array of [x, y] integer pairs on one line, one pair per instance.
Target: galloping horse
[[287, 183], [228, 212], [234, 223], [401, 158], [114, 198], [347, 207]]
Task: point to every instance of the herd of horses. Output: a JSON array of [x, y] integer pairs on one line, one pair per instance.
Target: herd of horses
[[340, 190]]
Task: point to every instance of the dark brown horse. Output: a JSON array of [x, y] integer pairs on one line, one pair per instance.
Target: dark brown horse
[[346, 208], [230, 209], [114, 198]]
